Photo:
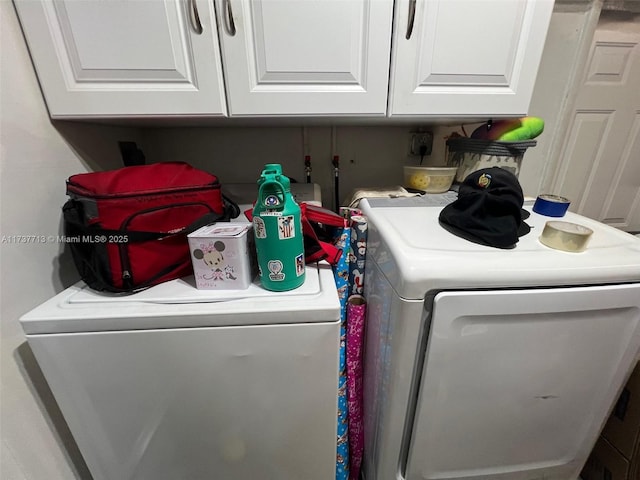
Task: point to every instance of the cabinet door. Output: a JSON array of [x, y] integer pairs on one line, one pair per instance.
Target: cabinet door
[[466, 57], [125, 57], [312, 57]]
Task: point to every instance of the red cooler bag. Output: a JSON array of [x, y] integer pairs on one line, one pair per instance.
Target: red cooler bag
[[127, 228]]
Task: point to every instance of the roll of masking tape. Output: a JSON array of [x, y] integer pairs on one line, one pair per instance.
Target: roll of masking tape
[[551, 205], [566, 236]]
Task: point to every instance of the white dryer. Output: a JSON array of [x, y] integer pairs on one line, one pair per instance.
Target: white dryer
[[489, 364], [178, 383]]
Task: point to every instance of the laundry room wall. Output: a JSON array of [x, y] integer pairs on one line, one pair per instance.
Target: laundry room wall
[[369, 156], [37, 156]]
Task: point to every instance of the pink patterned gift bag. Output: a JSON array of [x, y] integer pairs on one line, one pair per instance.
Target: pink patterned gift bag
[[356, 310]]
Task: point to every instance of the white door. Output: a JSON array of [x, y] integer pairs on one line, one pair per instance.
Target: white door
[[517, 384], [312, 57], [466, 57], [246, 402], [125, 57], [600, 161]]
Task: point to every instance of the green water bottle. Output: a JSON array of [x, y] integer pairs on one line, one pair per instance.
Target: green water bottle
[[277, 227]]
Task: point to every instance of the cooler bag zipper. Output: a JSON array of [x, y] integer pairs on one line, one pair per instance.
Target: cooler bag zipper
[[86, 193], [125, 263]]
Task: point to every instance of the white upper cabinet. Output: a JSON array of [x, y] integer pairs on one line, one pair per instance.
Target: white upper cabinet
[[97, 58], [466, 57], [306, 57]]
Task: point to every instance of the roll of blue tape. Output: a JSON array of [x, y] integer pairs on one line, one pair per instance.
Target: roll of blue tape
[[551, 205]]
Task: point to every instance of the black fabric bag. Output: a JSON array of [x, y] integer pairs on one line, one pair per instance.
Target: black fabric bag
[[488, 210]]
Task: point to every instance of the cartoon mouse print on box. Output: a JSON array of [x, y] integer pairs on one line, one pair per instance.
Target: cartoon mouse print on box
[[222, 256], [213, 258]]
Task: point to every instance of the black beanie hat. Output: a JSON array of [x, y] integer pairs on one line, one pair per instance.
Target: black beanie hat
[[488, 209]]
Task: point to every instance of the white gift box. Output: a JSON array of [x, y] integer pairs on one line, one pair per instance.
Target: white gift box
[[223, 256]]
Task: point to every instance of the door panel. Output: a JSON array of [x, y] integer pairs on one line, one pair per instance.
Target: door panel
[[289, 57], [600, 171], [517, 384], [467, 57], [124, 57], [143, 42], [582, 149], [625, 202], [450, 62], [280, 59]]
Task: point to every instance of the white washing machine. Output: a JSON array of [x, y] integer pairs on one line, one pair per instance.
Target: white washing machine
[[489, 364], [175, 383]]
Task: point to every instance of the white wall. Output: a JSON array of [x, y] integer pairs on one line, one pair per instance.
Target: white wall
[[35, 161], [36, 158], [369, 156]]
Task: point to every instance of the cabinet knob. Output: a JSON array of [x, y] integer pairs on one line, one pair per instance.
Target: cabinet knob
[[194, 16], [229, 23], [412, 17]]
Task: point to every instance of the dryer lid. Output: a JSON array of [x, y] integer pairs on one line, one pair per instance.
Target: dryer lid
[[418, 255]]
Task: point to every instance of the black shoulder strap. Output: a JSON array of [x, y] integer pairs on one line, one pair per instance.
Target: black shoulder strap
[[145, 236], [231, 208]]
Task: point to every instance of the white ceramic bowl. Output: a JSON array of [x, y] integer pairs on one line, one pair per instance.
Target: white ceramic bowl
[[429, 179]]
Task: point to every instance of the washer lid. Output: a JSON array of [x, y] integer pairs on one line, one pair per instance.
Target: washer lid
[[178, 304], [418, 255], [184, 290]]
